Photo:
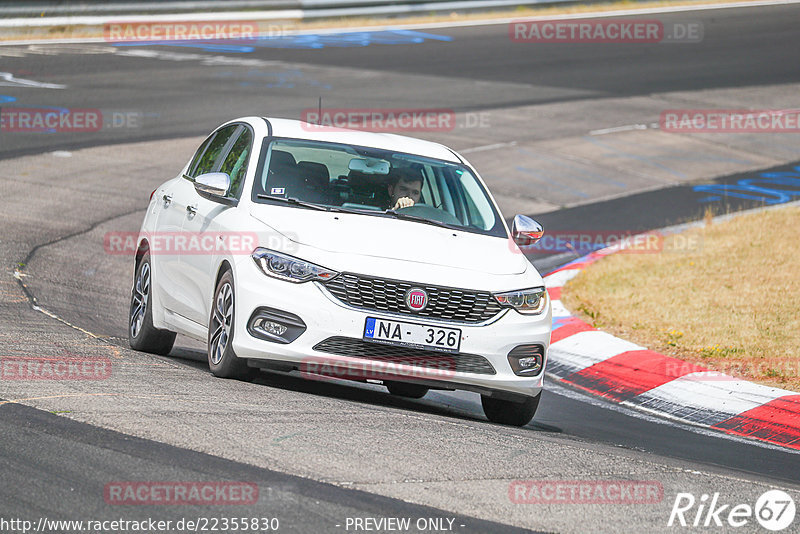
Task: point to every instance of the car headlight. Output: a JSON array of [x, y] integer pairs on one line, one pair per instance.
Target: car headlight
[[528, 301], [289, 268]]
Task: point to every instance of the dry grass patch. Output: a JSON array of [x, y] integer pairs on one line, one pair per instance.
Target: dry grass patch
[[731, 305]]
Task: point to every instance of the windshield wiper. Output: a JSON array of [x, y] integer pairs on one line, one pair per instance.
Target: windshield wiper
[[414, 218], [294, 202], [352, 210]]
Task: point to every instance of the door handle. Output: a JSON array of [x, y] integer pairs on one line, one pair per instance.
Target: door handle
[[167, 199], [191, 210]]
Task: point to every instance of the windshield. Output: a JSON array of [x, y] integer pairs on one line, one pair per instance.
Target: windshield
[[375, 182]]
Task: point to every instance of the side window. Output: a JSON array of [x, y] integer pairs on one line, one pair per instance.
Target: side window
[[428, 188], [235, 163], [480, 211], [214, 149], [198, 155]]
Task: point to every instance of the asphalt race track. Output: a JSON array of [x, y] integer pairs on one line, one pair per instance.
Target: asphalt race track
[[562, 132]]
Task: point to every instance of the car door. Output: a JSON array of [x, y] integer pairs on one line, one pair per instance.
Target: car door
[[165, 256], [202, 223], [177, 285]]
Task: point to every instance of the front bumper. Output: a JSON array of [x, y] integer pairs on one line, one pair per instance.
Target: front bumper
[[326, 317]]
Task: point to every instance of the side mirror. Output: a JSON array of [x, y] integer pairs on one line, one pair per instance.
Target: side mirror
[[525, 231], [212, 184]]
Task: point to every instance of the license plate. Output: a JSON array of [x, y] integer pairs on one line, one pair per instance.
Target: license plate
[[412, 335]]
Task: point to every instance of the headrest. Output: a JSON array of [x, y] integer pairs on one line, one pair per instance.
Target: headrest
[[281, 158]]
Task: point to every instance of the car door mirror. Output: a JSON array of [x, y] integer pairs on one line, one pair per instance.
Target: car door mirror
[[213, 183], [525, 231]]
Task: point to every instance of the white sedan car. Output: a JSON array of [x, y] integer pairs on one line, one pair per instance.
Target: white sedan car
[[343, 254]]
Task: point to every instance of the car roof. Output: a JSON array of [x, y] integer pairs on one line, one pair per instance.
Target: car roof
[[296, 129]]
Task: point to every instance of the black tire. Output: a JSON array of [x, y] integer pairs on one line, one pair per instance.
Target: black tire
[[222, 361], [505, 412], [405, 389], [142, 335]]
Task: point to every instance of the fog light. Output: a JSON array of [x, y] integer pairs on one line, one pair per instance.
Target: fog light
[[527, 360], [530, 363], [270, 327], [275, 325]]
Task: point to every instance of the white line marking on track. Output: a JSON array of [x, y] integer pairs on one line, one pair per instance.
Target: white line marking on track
[[488, 147], [7, 79], [560, 278], [711, 391], [559, 310], [615, 129], [585, 349], [555, 387]]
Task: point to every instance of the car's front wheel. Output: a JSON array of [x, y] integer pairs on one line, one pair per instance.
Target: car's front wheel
[[222, 361], [506, 412], [142, 335]]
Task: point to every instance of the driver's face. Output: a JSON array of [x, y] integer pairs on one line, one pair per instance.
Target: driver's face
[[405, 188]]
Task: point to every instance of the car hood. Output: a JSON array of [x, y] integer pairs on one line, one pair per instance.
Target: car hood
[[385, 237]]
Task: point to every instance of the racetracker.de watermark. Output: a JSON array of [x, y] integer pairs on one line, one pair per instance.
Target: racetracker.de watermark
[[406, 368], [382, 120], [54, 368], [155, 493], [730, 121], [150, 525], [729, 371], [640, 31], [585, 241], [67, 120], [188, 243], [133, 31], [585, 492]]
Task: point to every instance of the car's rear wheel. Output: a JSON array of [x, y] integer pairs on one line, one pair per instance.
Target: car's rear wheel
[[405, 389], [506, 412], [142, 335], [222, 360]]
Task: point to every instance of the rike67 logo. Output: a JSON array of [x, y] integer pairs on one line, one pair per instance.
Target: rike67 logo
[[774, 510]]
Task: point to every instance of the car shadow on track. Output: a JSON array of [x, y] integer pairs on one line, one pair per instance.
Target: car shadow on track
[[459, 405]]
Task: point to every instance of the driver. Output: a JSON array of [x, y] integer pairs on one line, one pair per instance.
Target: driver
[[404, 189]]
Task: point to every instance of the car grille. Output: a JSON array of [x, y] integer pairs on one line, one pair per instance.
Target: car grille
[[451, 304], [430, 359]]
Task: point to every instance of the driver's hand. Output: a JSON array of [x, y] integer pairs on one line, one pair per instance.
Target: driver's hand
[[403, 202]]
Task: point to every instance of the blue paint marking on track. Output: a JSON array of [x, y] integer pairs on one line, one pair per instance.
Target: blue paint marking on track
[[558, 322], [769, 188], [306, 42]]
